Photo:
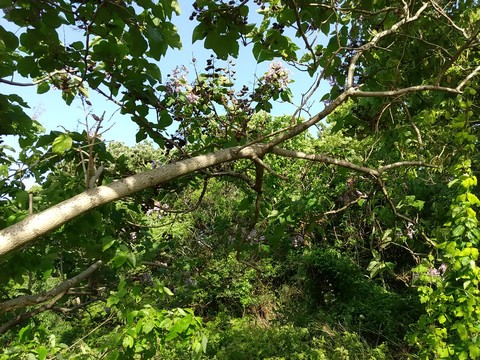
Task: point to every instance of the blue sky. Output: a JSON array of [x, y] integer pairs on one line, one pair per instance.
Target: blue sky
[[53, 113]]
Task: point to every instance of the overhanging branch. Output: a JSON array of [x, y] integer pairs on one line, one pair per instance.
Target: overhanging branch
[[28, 230]]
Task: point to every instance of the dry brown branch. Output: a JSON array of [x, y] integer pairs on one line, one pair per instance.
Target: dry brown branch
[[346, 206], [325, 159], [66, 310], [403, 164], [235, 174]]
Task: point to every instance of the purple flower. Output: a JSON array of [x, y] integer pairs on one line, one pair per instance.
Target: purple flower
[[277, 76], [177, 80], [442, 268], [432, 272], [192, 98]]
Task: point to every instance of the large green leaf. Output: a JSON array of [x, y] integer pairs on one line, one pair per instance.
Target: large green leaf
[[62, 143]]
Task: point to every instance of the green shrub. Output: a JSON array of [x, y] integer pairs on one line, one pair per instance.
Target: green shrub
[[338, 286]]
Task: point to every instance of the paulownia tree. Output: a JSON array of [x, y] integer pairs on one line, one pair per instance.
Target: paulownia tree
[[390, 64]]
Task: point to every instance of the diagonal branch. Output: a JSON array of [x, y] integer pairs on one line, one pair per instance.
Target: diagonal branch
[[36, 225], [405, 163], [372, 43], [197, 203], [28, 300], [407, 90], [19, 319]]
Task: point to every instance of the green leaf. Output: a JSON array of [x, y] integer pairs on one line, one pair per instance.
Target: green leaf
[[61, 144], [132, 259], [154, 71], [148, 326], [261, 54], [165, 120], [156, 41], [43, 87], [112, 300], [462, 332], [199, 33], [119, 259], [42, 352], [113, 355], [474, 351], [77, 45], [131, 316], [138, 44], [128, 341], [223, 44], [9, 39], [21, 198], [167, 291], [107, 242], [204, 342], [458, 230], [84, 91]]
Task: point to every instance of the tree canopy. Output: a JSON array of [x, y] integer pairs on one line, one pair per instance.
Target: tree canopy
[[228, 226]]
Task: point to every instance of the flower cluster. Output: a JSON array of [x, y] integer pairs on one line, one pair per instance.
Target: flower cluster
[[437, 272], [177, 83], [192, 98], [177, 80], [277, 76]]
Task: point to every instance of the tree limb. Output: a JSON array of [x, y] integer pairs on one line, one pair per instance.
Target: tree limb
[[28, 300], [19, 319], [325, 159], [36, 225], [376, 38]]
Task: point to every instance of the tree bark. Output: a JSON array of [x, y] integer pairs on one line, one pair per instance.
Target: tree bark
[[31, 228]]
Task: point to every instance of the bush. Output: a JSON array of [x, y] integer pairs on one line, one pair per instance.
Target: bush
[[339, 287]]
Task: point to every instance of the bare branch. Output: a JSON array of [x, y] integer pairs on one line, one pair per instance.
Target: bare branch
[[235, 174], [375, 174], [403, 164], [390, 202], [402, 91], [354, 10], [471, 75], [19, 319], [196, 205], [65, 310], [325, 159], [372, 43], [36, 225], [158, 264], [302, 33], [14, 83], [267, 167], [28, 300], [452, 23], [345, 207], [455, 57]]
